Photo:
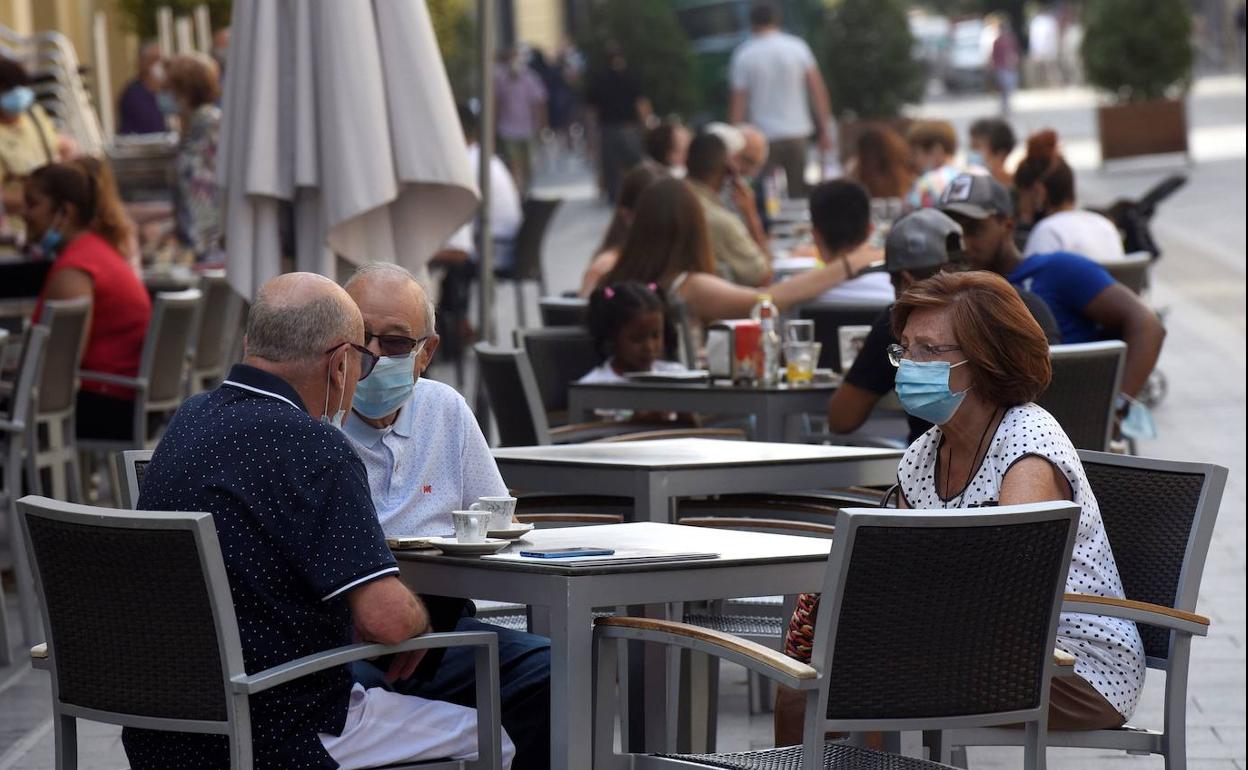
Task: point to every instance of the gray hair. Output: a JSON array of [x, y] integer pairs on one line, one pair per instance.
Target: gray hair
[[391, 270], [286, 332]]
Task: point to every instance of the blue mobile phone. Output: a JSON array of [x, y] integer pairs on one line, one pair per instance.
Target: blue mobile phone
[[564, 553]]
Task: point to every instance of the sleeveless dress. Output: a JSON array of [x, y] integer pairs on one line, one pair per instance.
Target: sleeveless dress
[[1108, 652]]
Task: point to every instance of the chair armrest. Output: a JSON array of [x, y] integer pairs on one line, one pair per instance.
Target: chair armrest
[[113, 379], [310, 664], [1063, 659], [725, 522], [569, 518], [8, 426], [763, 660], [1139, 612]]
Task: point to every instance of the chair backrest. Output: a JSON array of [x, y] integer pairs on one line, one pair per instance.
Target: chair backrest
[[828, 321], [34, 354], [1131, 271], [217, 321], [514, 397], [169, 338], [1086, 379], [528, 246], [943, 616], [1159, 517], [140, 622], [564, 311], [559, 357], [129, 468], [66, 321]]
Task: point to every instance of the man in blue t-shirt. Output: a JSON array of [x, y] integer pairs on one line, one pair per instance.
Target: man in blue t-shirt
[[1088, 303]]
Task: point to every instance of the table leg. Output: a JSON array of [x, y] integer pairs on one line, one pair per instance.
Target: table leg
[[651, 501], [571, 683], [771, 422]]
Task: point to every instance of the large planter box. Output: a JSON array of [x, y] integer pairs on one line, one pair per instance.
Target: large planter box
[[1142, 128]]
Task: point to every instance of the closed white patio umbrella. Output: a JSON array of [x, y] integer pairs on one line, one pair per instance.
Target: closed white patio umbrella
[[343, 109]]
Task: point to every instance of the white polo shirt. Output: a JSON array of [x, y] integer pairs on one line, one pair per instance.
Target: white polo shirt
[[432, 460], [771, 68]]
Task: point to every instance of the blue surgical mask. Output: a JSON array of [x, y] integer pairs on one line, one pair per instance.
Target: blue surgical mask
[[386, 388], [167, 104], [976, 160], [923, 389], [17, 100], [52, 242], [1138, 422]]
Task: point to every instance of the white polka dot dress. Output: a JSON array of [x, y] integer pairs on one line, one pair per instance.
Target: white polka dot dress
[[1108, 652]]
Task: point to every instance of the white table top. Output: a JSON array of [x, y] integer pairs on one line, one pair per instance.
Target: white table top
[[688, 453], [732, 547]]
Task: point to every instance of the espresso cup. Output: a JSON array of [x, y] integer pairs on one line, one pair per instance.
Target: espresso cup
[[470, 526], [500, 508]]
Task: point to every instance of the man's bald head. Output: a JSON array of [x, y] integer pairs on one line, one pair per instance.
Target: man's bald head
[[753, 155], [384, 290], [296, 317]]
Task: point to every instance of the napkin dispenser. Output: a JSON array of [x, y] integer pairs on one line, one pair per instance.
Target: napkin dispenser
[[732, 350]]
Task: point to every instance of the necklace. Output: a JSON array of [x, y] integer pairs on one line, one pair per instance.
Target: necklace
[[975, 462]]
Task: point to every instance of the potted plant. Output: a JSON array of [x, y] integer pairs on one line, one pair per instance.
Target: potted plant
[[869, 65], [1142, 59]]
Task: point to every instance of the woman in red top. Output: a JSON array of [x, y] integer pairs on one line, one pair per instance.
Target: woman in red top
[[73, 212]]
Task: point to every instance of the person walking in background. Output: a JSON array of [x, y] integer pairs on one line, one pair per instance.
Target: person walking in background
[[621, 110], [1005, 61], [775, 85], [1043, 48], [193, 83], [932, 145], [138, 109], [520, 99]]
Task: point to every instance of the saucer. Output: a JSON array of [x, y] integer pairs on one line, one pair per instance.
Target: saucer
[[450, 545], [514, 532]]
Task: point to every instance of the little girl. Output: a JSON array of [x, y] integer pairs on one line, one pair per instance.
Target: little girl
[[629, 325]]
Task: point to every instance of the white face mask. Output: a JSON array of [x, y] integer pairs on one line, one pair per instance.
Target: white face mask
[[341, 414]]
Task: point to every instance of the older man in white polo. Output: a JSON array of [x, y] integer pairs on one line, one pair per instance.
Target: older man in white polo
[[425, 457]]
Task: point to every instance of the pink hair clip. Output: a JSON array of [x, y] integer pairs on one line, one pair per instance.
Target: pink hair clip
[[654, 287], [609, 293]]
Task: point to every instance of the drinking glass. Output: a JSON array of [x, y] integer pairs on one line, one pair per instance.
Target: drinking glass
[[799, 331]]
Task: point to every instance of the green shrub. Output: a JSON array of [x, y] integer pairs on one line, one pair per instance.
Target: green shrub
[[655, 45], [868, 59], [1137, 51]]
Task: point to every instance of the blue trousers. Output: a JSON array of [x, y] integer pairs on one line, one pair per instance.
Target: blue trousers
[[524, 687]]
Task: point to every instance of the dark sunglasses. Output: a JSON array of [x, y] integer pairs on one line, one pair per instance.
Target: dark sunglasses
[[367, 359], [394, 344]]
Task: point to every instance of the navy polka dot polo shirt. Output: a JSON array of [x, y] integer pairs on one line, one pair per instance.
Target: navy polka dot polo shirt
[[298, 531]]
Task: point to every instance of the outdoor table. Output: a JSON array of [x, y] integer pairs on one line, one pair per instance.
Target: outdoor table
[[656, 473], [771, 406], [565, 595]]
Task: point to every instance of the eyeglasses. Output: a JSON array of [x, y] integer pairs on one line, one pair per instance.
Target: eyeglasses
[[367, 358], [394, 344], [918, 353]]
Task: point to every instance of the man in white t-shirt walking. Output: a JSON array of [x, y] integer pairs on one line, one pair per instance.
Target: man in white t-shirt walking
[[775, 83]]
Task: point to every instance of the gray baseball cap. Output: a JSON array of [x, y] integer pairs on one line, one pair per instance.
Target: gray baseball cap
[[977, 196], [922, 239]]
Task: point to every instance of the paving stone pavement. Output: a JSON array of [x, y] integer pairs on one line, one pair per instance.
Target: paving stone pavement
[[1200, 283]]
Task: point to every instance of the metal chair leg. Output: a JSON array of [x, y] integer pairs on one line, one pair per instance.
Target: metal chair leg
[[521, 319], [28, 603], [66, 736], [6, 643]]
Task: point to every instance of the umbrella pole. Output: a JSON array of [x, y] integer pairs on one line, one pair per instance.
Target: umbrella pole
[[485, 243]]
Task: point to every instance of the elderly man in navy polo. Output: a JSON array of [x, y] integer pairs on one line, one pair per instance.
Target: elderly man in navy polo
[[305, 555], [425, 457]]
